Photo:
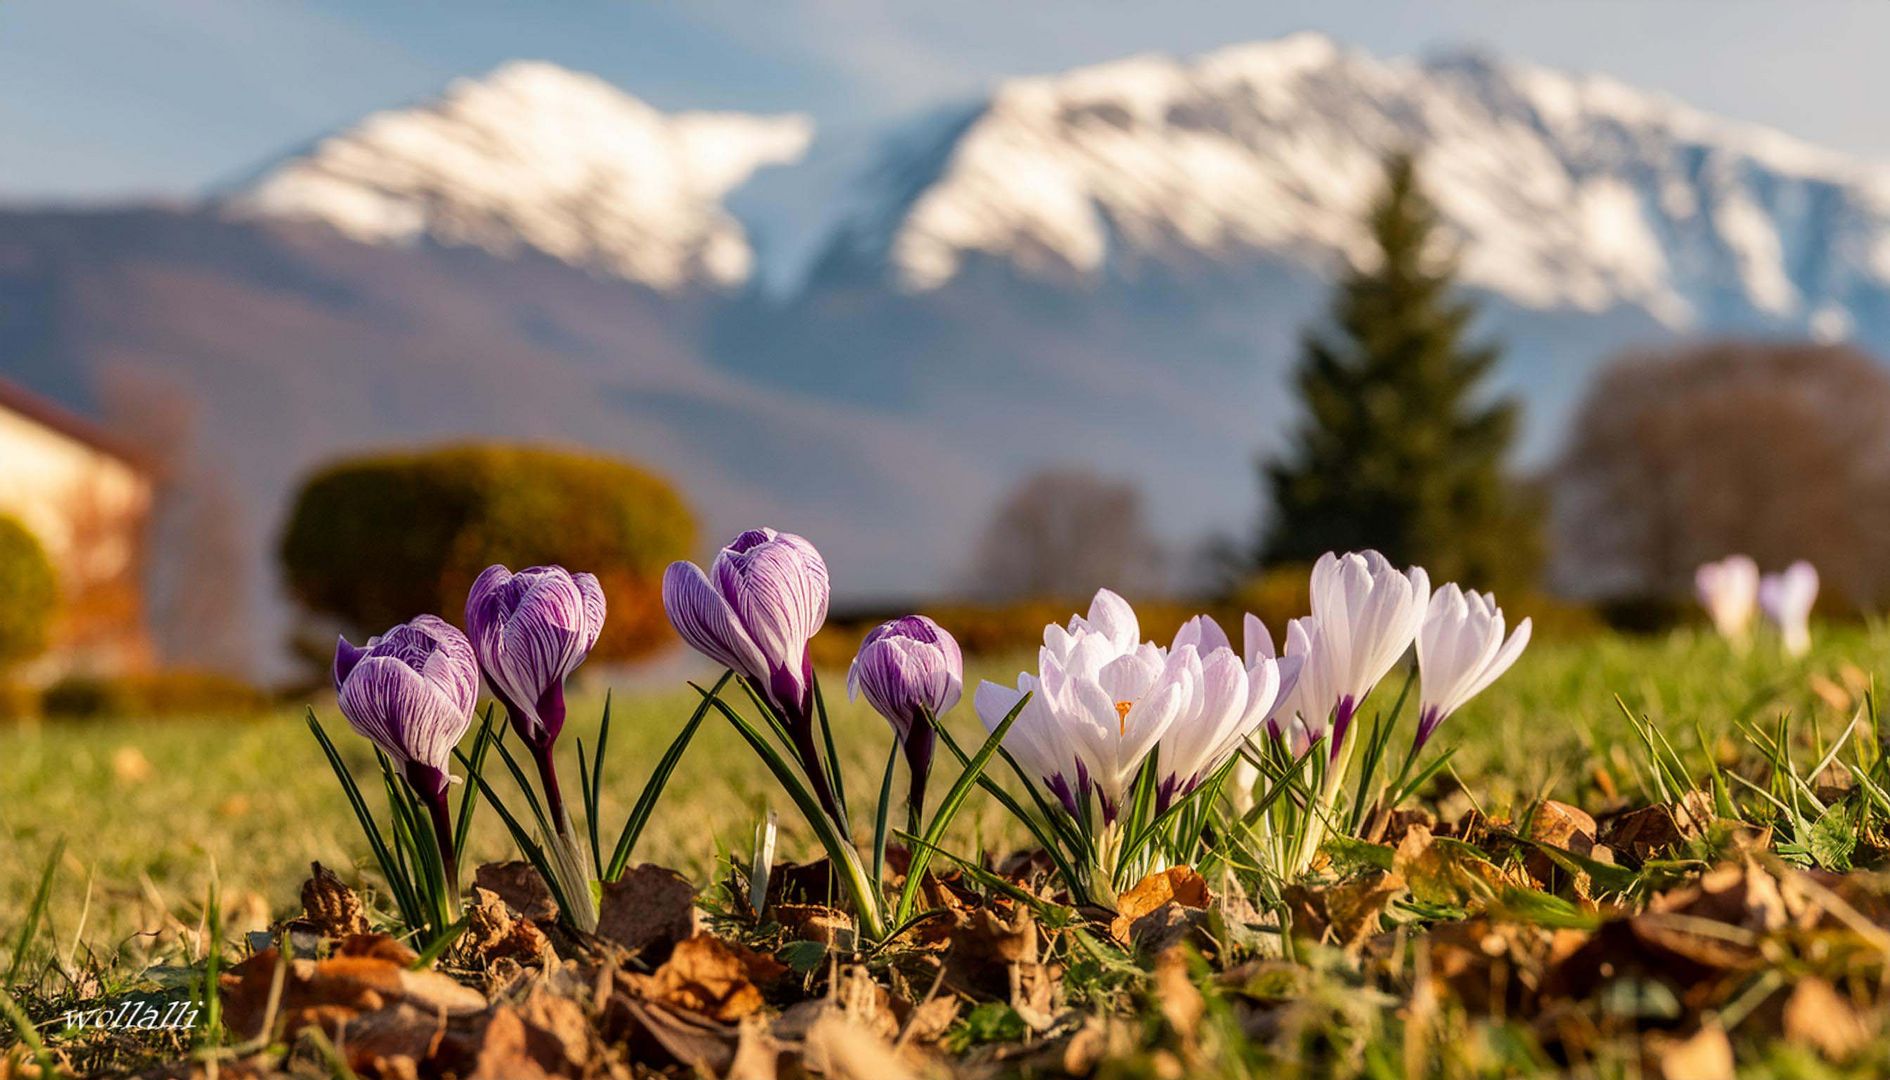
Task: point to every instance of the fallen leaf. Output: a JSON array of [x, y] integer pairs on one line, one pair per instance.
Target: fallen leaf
[[495, 932], [1179, 885], [330, 907], [648, 911], [367, 999], [709, 976], [518, 884], [1706, 1055], [1816, 1015], [1443, 871], [1178, 999], [1343, 915]]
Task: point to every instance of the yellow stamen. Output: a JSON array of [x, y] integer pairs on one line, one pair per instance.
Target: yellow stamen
[[1122, 716]]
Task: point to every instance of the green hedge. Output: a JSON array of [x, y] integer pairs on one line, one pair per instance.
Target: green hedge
[[29, 593], [376, 540]]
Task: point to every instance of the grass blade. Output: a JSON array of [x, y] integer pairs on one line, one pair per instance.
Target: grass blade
[[390, 870], [653, 787], [469, 801], [36, 912], [948, 809], [883, 811]]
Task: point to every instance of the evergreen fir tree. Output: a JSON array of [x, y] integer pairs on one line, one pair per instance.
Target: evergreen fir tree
[[1399, 448]]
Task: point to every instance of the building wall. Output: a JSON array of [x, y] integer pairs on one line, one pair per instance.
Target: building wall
[[88, 508]]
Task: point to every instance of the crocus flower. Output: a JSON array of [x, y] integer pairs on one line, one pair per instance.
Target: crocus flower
[[754, 611], [1729, 590], [1365, 615], [1787, 599], [1239, 693], [1101, 700], [909, 668], [1460, 650], [412, 691], [530, 631]]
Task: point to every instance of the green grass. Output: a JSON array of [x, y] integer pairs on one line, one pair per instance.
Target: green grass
[[152, 813]]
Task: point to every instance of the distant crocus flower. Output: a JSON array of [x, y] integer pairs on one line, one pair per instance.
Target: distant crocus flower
[[1729, 591], [412, 691], [1460, 650], [1365, 615], [910, 668], [530, 631], [1787, 599], [754, 611]]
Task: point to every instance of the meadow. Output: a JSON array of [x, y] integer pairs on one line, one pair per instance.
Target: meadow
[[150, 813]]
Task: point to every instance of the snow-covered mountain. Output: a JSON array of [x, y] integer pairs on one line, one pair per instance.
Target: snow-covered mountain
[[533, 155], [1108, 267], [1566, 191]]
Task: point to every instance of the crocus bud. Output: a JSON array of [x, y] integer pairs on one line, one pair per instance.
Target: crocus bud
[[908, 668], [754, 611], [412, 691], [1461, 650], [1729, 590], [1367, 612], [1787, 600], [530, 631]]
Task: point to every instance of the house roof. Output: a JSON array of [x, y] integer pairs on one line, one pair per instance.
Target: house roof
[[50, 414]]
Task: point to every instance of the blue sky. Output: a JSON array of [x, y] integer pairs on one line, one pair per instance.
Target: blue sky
[[103, 99]]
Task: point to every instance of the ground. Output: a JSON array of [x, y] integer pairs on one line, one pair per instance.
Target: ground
[[150, 814]]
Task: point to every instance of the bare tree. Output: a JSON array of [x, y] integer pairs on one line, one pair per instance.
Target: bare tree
[[196, 600], [1061, 534], [1778, 451]]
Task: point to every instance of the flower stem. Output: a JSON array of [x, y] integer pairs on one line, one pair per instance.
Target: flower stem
[[443, 836]]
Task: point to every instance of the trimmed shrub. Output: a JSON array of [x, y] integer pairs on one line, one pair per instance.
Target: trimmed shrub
[[29, 593], [375, 540]]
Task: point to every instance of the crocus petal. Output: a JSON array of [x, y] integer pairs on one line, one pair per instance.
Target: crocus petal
[[707, 622]]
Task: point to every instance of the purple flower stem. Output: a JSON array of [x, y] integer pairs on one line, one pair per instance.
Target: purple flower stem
[[554, 798]]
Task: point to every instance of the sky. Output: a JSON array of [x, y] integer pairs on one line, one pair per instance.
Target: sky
[[103, 100]]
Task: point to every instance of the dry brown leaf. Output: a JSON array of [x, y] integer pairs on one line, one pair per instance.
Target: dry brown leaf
[[817, 922], [657, 1035], [1816, 1015], [648, 911], [519, 885], [711, 977], [1343, 915], [495, 932], [366, 999], [1561, 825], [844, 1049], [1178, 885], [502, 1053], [988, 946], [1177, 997], [330, 907], [1444, 872], [1705, 1055]]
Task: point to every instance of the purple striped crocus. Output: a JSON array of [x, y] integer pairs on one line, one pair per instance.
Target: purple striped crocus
[[754, 610], [909, 668], [412, 691], [530, 631]]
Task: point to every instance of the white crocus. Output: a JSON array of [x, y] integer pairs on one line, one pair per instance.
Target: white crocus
[[1729, 591], [1460, 650], [1101, 700], [1787, 599], [1365, 614], [1238, 694]]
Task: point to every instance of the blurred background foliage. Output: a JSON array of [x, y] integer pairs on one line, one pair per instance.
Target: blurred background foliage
[[374, 540]]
